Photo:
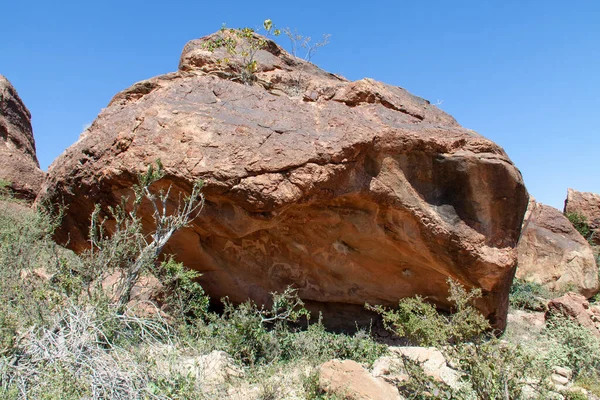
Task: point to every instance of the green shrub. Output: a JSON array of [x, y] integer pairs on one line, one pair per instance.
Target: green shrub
[[573, 346], [243, 44], [416, 320], [5, 192], [312, 387], [580, 223], [423, 325], [27, 254], [182, 296], [317, 345], [589, 383], [570, 395], [527, 295], [497, 370], [240, 332], [177, 387], [255, 335], [489, 368], [422, 386]]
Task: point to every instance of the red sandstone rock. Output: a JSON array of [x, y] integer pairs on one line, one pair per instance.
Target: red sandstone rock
[[352, 192], [551, 252], [18, 162], [588, 205], [577, 308], [350, 380]]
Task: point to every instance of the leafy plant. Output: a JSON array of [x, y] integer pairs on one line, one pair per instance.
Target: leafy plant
[[243, 44], [27, 256], [421, 386], [489, 368], [127, 251], [423, 325], [573, 346], [527, 295], [496, 370], [182, 296], [5, 192], [242, 330], [580, 223], [258, 335]]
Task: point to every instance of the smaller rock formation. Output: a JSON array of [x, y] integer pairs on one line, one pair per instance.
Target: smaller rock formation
[[392, 369], [588, 205], [551, 252], [561, 377], [212, 371], [18, 162], [350, 380], [525, 326], [576, 308]]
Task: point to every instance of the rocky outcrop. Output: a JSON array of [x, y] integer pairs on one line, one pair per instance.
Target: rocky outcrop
[[587, 205], [352, 192], [576, 308], [18, 161], [552, 253]]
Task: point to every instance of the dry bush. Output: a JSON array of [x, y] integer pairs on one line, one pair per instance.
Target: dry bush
[[85, 352]]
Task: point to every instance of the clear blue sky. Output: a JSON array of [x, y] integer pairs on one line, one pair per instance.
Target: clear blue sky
[[525, 74]]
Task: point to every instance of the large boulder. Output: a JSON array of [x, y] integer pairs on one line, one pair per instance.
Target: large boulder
[[552, 253], [352, 192], [18, 161], [585, 204]]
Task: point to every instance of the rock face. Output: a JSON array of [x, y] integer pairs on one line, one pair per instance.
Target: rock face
[[588, 205], [352, 192], [18, 162], [551, 252]]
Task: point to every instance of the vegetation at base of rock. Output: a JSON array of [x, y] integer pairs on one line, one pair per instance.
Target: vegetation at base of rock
[[4, 188], [573, 346], [528, 295], [490, 368], [423, 325], [63, 334]]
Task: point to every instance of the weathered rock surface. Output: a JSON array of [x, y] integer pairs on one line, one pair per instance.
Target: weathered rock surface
[[18, 161], [588, 205], [524, 326], [431, 360], [552, 253], [577, 308], [350, 380], [352, 192]]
